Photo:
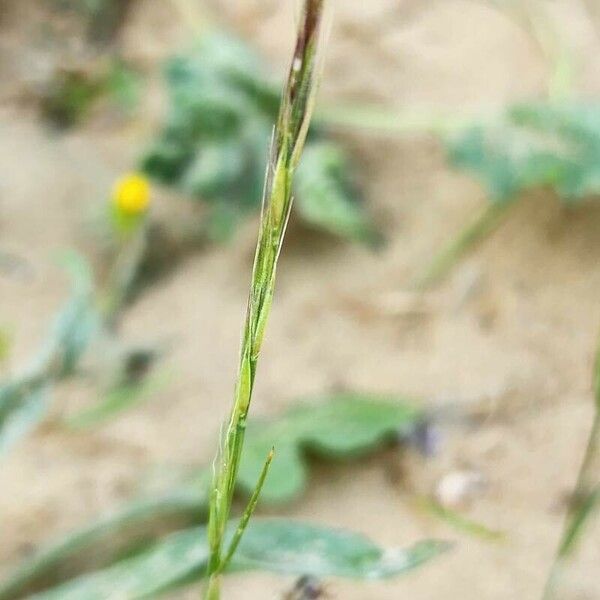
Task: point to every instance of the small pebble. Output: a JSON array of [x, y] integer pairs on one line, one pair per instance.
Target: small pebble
[[457, 488]]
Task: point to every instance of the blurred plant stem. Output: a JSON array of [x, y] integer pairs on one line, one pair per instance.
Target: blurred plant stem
[[122, 276], [487, 220], [584, 502], [287, 144]]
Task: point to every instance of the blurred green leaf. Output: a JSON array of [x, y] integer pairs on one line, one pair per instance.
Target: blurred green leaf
[[326, 197], [24, 399], [186, 505], [295, 548], [534, 145], [179, 558], [274, 545], [73, 327], [215, 170], [546, 144], [118, 399], [23, 405], [77, 323], [338, 426], [124, 84], [214, 143], [69, 96]]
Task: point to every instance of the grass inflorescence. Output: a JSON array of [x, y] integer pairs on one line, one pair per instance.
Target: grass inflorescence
[[287, 144]]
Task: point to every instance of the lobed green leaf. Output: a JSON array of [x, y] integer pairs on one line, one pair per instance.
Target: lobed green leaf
[[338, 426], [534, 145], [216, 135]]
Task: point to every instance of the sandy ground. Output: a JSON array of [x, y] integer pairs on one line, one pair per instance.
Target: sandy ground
[[514, 326]]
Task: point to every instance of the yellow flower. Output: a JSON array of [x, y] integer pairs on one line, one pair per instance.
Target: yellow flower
[[131, 194]]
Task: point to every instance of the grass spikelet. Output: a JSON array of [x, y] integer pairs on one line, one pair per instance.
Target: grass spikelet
[[287, 144]]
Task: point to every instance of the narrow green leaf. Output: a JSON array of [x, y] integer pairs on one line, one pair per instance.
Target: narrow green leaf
[[178, 558], [23, 405], [248, 512], [460, 522], [75, 324], [578, 520], [119, 399], [187, 504], [288, 475]]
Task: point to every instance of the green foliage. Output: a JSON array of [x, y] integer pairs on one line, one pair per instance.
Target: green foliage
[[24, 399], [274, 545], [585, 503], [71, 93], [326, 197], [23, 404], [545, 144], [119, 398], [338, 426], [69, 97], [288, 140], [215, 139], [460, 522], [124, 85], [341, 426], [76, 324], [114, 530], [211, 107], [534, 145], [294, 548]]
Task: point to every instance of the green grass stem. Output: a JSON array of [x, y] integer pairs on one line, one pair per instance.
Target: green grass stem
[[287, 144], [467, 239], [584, 503]]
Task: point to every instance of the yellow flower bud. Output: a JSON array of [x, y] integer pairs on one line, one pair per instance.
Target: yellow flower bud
[[131, 194]]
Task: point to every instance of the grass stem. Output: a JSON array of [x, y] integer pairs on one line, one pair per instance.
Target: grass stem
[[584, 503], [472, 234], [287, 144]]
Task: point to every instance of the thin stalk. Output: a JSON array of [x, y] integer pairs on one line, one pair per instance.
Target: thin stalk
[[473, 233], [585, 502], [288, 140], [250, 508], [122, 276]]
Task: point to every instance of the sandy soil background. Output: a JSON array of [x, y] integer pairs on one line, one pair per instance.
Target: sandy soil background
[[514, 328]]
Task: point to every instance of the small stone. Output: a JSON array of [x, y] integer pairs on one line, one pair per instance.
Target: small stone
[[458, 488]]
